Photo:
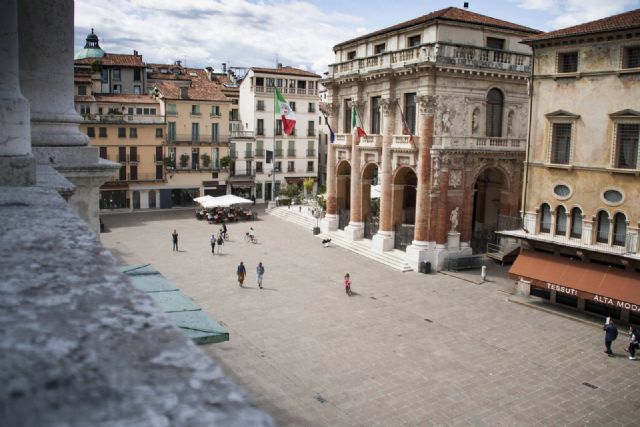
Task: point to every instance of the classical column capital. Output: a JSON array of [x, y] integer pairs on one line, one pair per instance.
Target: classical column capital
[[387, 105], [427, 104], [333, 108]]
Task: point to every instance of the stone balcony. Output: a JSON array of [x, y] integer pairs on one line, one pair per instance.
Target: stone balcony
[[477, 143], [343, 140], [370, 142], [405, 143], [123, 119], [465, 56]]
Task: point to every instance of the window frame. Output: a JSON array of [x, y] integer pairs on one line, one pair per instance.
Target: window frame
[[561, 63], [615, 144], [379, 48], [600, 234], [411, 40], [625, 57], [545, 226], [575, 212]]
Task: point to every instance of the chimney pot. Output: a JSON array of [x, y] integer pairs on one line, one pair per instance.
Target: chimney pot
[[466, 5]]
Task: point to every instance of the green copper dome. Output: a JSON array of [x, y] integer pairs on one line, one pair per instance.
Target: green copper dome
[[91, 48]]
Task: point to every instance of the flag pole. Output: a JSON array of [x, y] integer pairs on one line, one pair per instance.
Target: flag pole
[[273, 160]]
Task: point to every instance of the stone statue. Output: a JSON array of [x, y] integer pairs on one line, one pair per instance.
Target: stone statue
[[454, 219], [474, 120], [446, 121], [510, 123]]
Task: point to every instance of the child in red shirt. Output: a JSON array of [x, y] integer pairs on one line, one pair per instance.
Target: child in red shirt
[[347, 284]]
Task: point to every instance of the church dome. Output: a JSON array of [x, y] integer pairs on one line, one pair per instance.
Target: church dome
[[91, 48]]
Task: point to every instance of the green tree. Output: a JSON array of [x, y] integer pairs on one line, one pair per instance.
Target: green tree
[[308, 185], [206, 160], [184, 160]]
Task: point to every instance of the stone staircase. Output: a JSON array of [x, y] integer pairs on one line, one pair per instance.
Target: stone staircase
[[394, 258]]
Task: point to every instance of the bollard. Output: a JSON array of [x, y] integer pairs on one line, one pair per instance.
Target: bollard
[[483, 273]]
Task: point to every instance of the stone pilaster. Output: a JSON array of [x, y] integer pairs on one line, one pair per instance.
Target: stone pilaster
[[16, 162], [355, 229], [46, 77], [417, 251], [383, 240], [441, 223], [330, 221]]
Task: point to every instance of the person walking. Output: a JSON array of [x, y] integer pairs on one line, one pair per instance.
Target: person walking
[[174, 235], [241, 272], [610, 335], [634, 342], [259, 274], [220, 243], [347, 284], [213, 240]]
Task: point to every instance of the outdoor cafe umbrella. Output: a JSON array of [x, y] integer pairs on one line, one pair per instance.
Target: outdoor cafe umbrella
[[203, 199], [225, 201]]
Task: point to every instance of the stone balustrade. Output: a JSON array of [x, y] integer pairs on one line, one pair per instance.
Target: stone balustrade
[[441, 53], [404, 143], [479, 143], [370, 142], [343, 139]]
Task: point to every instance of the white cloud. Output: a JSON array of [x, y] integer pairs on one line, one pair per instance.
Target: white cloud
[[209, 32], [568, 13]]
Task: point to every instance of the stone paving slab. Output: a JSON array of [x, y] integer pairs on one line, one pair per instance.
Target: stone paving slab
[[407, 349]]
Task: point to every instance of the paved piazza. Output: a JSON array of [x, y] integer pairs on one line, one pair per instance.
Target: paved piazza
[[407, 349]]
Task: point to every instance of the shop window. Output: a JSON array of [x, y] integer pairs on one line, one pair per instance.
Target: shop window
[[540, 293], [619, 229], [602, 234], [495, 101], [561, 220], [602, 309], [567, 300], [576, 223], [568, 62], [545, 218], [634, 318]]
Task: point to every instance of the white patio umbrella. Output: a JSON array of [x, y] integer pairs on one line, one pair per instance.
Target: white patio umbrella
[[229, 199], [203, 199]]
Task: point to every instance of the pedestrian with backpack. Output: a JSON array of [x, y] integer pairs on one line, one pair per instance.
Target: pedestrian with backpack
[[610, 335]]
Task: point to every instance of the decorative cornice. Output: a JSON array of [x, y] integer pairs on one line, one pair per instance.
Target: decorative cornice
[[427, 104], [387, 105]]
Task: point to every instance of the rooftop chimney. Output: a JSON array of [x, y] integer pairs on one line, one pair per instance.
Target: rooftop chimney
[[466, 5], [135, 53], [178, 63], [279, 64], [224, 67]]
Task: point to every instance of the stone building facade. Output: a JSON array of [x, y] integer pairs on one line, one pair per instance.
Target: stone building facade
[[582, 191], [443, 100]]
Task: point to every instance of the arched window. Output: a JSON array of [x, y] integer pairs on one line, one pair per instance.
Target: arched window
[[545, 218], [561, 220], [603, 227], [576, 223], [619, 229], [495, 101]]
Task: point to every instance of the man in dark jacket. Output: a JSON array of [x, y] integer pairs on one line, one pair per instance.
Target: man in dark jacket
[[610, 335]]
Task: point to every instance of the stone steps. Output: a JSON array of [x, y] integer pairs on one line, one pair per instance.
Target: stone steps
[[394, 258]]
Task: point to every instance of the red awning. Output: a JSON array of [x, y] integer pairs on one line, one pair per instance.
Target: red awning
[[596, 282]]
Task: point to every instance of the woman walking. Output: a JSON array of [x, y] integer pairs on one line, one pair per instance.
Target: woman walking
[[347, 284], [241, 272]]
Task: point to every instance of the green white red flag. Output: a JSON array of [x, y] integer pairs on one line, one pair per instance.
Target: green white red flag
[[283, 109], [356, 123]]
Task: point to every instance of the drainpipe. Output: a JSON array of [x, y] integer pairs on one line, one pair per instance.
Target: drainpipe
[[526, 160]]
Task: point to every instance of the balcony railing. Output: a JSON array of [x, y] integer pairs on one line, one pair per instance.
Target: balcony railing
[[291, 153], [123, 118], [242, 174], [311, 132], [441, 53], [286, 90], [311, 152], [242, 134], [278, 153], [259, 152], [248, 154], [480, 143], [342, 139], [158, 159], [371, 141], [195, 139]]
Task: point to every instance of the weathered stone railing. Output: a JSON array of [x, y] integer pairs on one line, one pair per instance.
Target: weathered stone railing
[[81, 346], [371, 141], [443, 53], [404, 142], [479, 143]]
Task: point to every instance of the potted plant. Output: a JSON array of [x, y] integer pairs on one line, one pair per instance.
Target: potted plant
[[169, 163], [225, 162], [184, 160], [206, 160]]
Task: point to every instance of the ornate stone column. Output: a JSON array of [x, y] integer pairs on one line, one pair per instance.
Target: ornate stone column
[[355, 229], [46, 77], [330, 221], [16, 162], [442, 223], [383, 239], [417, 251]]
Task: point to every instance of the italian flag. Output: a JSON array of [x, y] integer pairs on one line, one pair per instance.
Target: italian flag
[[356, 123], [285, 112]]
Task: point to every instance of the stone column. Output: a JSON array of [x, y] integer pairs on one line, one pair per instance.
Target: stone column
[[16, 162], [441, 224], [46, 77], [467, 206], [417, 251], [330, 221], [355, 229], [383, 239]]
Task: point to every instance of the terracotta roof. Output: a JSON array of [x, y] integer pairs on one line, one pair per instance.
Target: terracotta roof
[[84, 98], [448, 14], [200, 89], [285, 70], [115, 59], [124, 98], [167, 76], [82, 78], [622, 21]]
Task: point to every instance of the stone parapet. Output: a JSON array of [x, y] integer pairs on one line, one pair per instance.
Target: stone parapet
[[81, 346]]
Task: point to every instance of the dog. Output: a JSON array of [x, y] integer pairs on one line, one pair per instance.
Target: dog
[[325, 242]]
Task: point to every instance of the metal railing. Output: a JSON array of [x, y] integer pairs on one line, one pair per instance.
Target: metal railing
[[124, 118], [248, 154], [278, 152], [286, 90], [311, 152], [259, 152], [195, 139], [291, 153], [242, 134], [311, 132]]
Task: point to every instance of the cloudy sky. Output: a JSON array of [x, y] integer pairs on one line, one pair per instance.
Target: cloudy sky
[[300, 33]]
